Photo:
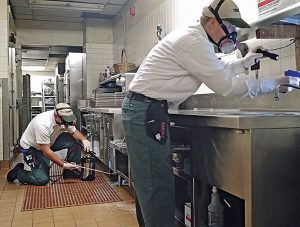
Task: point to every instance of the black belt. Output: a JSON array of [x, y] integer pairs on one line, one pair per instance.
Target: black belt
[[139, 97]]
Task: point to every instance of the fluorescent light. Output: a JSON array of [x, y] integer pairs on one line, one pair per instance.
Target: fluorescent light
[[66, 5], [33, 68]]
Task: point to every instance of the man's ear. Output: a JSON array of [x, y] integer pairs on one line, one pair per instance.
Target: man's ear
[[57, 119]]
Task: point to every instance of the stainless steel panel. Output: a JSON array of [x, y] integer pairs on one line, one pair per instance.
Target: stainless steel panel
[[5, 118], [259, 165]]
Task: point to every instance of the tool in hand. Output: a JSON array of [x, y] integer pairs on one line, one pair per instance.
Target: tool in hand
[[267, 54]]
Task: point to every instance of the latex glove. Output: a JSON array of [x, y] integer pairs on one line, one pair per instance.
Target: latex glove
[[251, 57], [70, 166], [87, 146], [268, 84]]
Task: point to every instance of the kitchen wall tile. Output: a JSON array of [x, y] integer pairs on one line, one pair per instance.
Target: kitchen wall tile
[[4, 62], [286, 51], [275, 68], [285, 63], [3, 10], [3, 27]]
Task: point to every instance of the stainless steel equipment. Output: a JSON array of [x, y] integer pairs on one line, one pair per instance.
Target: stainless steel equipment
[[73, 79], [97, 124], [108, 124], [253, 155], [113, 130], [122, 163], [89, 118]]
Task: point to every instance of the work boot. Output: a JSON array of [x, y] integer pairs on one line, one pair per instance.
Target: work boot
[[13, 174], [71, 174]]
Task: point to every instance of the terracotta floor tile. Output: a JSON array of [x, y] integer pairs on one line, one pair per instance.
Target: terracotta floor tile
[[61, 211], [42, 213], [22, 218], [44, 225], [116, 214], [108, 224], [89, 225], [64, 224], [87, 220], [6, 224], [6, 219], [43, 220], [22, 222], [66, 217]]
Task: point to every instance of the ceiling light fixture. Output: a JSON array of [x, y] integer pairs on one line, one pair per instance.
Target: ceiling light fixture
[[66, 5], [33, 68]]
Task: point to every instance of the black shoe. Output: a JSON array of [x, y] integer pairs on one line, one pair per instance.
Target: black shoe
[[13, 174], [71, 174]]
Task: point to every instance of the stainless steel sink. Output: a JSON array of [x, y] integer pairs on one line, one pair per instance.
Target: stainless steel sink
[[241, 112]]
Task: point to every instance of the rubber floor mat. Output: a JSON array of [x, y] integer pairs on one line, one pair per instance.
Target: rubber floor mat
[[70, 192]]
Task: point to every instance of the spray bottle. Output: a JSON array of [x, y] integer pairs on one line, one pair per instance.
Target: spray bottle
[[88, 164], [215, 210]]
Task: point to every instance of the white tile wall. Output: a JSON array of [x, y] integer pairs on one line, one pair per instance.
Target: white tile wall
[[98, 57], [140, 34], [286, 60]]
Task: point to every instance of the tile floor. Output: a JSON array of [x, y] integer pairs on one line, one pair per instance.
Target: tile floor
[[117, 214]]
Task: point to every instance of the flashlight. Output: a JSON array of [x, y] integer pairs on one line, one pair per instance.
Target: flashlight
[[268, 54]]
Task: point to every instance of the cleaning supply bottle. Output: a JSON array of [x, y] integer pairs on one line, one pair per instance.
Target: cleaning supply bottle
[[215, 210]]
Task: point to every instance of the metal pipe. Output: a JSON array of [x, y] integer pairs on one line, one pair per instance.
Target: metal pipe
[[276, 96]]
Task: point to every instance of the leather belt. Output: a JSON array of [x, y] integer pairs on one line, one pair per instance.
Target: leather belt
[[139, 97]]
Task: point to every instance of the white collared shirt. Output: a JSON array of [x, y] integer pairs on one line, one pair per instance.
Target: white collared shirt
[[176, 67], [42, 130]]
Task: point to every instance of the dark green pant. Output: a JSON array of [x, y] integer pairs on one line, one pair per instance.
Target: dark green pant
[[151, 168], [39, 175]]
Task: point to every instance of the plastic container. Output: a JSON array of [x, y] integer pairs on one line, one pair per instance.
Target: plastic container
[[292, 73], [215, 210]]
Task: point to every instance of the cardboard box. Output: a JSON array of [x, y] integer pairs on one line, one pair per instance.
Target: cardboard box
[[187, 214]]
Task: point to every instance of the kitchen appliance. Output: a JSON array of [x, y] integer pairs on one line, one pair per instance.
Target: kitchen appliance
[[122, 163], [112, 130]]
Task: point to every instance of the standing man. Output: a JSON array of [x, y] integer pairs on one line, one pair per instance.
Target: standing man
[[46, 133], [172, 71]]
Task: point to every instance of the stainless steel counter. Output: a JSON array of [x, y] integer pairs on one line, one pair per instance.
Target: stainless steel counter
[[254, 155], [238, 119], [111, 110]]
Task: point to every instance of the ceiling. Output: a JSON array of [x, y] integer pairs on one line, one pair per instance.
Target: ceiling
[[61, 10], [45, 58], [74, 11]]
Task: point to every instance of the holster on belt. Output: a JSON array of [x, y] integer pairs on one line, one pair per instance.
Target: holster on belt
[[157, 121], [29, 157]]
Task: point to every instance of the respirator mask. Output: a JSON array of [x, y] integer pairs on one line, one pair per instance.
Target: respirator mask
[[64, 125], [228, 43]]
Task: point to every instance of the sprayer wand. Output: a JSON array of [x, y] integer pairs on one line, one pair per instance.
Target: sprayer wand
[[99, 171]]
